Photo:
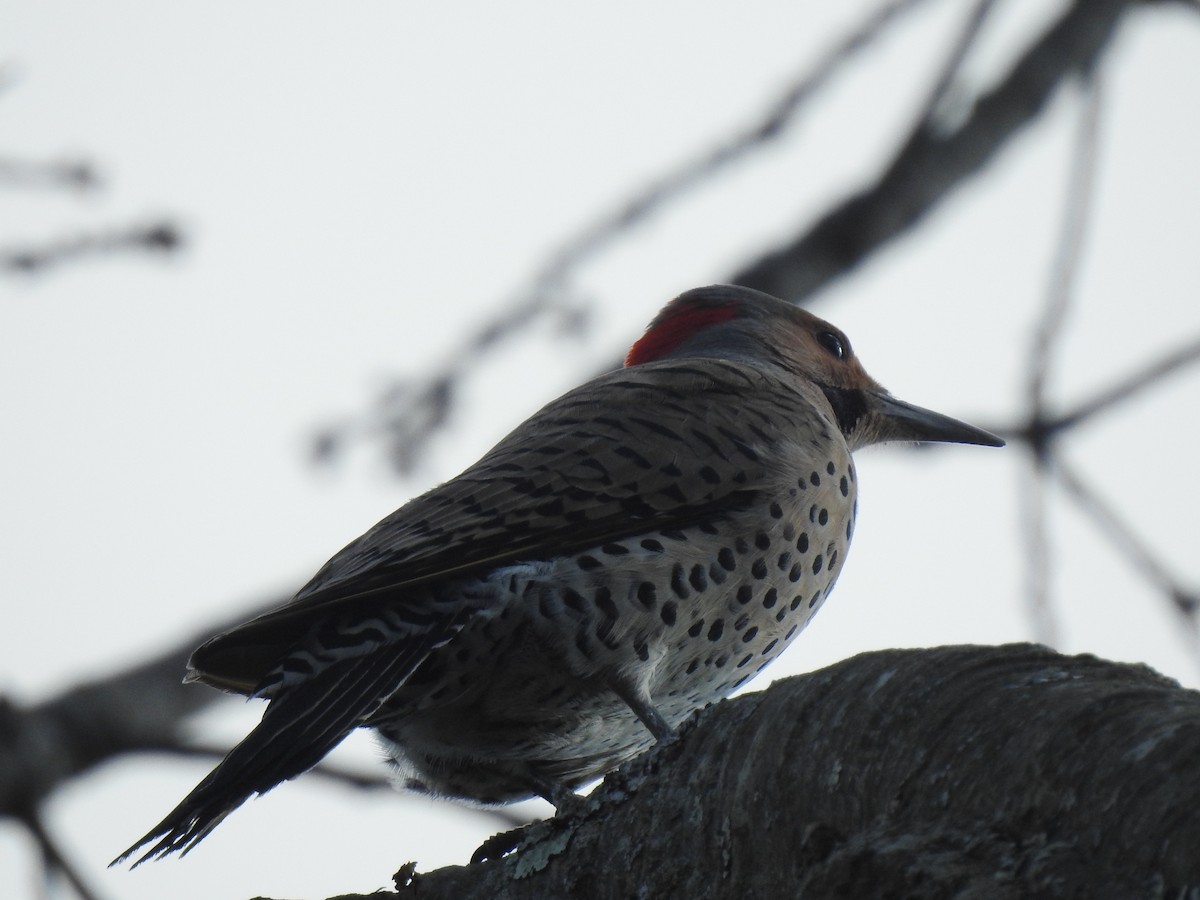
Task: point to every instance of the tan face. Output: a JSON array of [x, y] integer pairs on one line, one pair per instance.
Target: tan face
[[818, 350]]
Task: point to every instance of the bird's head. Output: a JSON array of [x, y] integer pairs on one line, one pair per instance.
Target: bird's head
[[737, 323]]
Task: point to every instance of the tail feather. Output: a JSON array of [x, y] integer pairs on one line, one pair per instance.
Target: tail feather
[[300, 726]]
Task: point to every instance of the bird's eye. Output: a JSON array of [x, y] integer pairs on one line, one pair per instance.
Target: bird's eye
[[832, 343]]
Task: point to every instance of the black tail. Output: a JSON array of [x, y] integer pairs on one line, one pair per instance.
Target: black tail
[[300, 726]]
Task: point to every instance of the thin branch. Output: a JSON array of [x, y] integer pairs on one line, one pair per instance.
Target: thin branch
[[75, 175], [1073, 231], [943, 85], [1129, 387], [55, 861], [1125, 540], [159, 237], [671, 186], [1060, 292], [412, 410], [1035, 538], [347, 778], [935, 161]]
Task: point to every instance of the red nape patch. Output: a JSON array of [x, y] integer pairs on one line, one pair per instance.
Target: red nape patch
[[673, 326]]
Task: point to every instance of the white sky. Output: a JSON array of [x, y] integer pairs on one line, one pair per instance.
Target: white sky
[[360, 184]]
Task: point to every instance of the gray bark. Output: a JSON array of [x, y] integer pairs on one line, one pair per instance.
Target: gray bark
[[967, 772]]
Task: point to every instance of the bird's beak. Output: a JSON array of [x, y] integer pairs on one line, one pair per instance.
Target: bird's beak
[[896, 420]]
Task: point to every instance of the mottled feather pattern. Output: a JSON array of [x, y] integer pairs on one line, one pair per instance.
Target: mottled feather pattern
[[638, 548]]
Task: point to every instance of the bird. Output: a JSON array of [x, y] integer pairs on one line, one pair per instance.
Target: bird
[[639, 548]]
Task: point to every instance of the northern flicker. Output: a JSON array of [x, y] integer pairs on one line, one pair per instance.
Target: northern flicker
[[640, 547]]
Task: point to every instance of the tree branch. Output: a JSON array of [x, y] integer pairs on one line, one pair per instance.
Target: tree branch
[[1000, 772], [410, 411], [158, 237], [933, 162]]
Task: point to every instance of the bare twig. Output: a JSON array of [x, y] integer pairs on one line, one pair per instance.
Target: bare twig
[[934, 161], [1035, 538], [1073, 231], [1060, 292], [159, 237], [76, 175], [1129, 387], [412, 410], [362, 781], [1125, 540], [943, 85], [54, 861]]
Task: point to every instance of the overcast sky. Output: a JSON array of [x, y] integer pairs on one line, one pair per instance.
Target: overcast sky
[[360, 185]]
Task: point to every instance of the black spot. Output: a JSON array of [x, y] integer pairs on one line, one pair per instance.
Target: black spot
[[815, 479], [796, 573], [801, 483], [698, 578], [770, 598], [574, 599], [740, 546], [812, 513], [785, 560], [797, 602], [587, 563], [816, 598], [550, 507], [647, 594], [604, 602], [642, 651], [833, 559], [761, 541], [789, 531], [709, 528], [823, 517], [709, 474], [802, 542], [776, 510], [782, 614], [749, 635], [737, 684], [745, 594], [693, 666], [791, 631], [673, 534], [717, 574], [742, 621], [849, 406], [667, 613], [727, 560], [849, 527], [759, 568], [615, 549], [652, 545], [844, 485], [818, 563], [745, 660], [716, 630], [720, 661], [633, 456], [771, 646], [851, 471], [697, 627], [673, 492], [677, 584], [830, 467]]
